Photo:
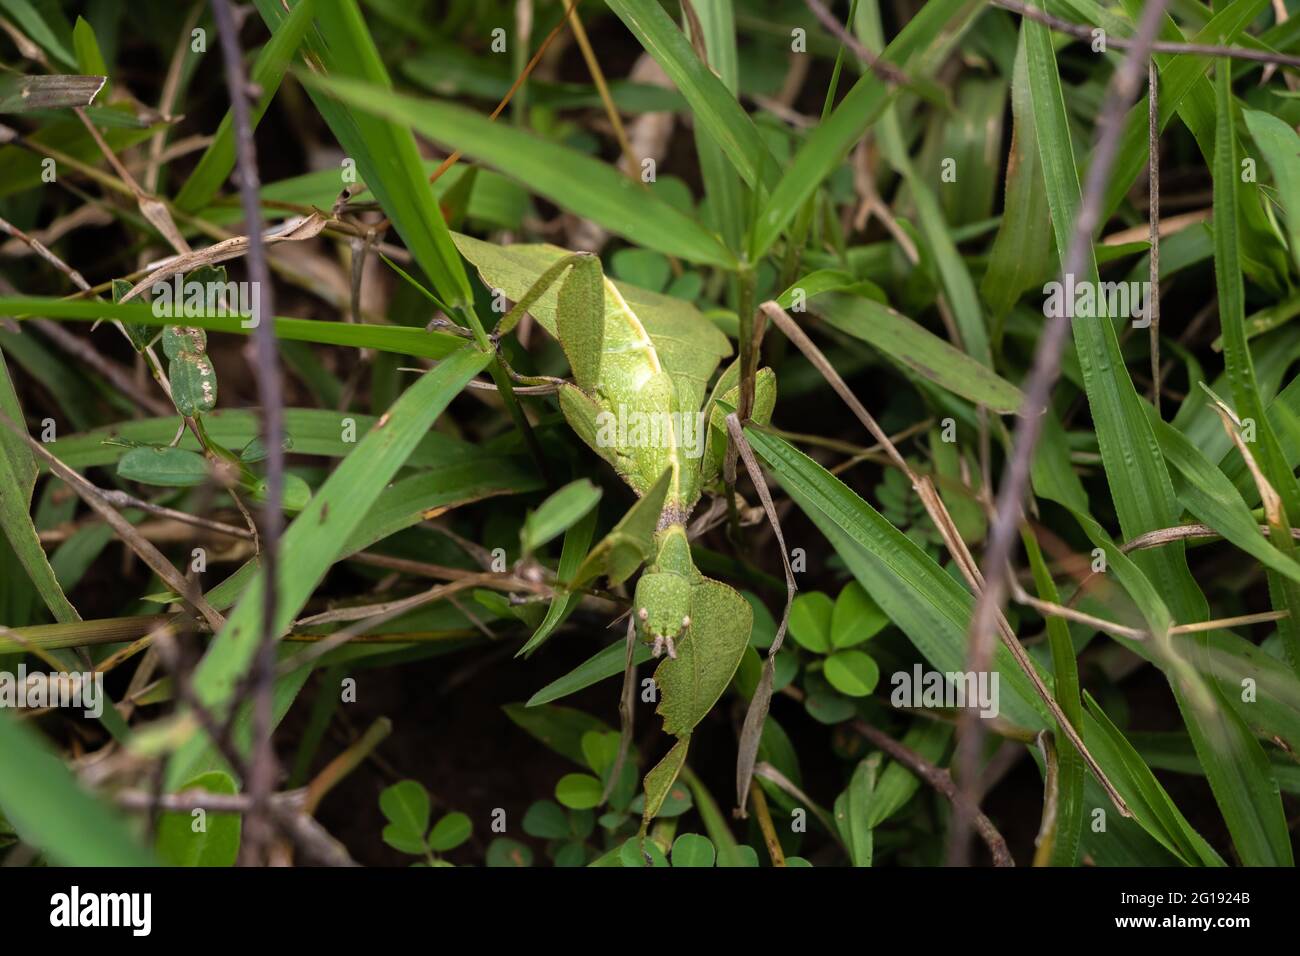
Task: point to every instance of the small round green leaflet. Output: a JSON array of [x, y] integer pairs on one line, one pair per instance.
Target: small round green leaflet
[[810, 621], [450, 832], [505, 852], [691, 849], [216, 843], [406, 805], [578, 791], [168, 467], [546, 820], [856, 617], [852, 673]]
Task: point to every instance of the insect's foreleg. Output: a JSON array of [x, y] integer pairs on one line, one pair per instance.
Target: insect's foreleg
[[535, 292]]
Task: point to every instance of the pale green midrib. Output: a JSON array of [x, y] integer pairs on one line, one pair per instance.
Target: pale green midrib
[[619, 308]]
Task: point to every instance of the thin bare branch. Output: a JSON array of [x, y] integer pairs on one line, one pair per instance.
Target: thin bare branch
[[1042, 377], [270, 390], [1083, 32]]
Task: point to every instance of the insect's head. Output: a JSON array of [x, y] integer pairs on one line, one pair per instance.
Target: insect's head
[[662, 606]]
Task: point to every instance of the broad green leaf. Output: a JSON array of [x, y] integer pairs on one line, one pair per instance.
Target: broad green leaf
[[546, 820], [169, 467], [585, 186], [707, 657], [217, 844]]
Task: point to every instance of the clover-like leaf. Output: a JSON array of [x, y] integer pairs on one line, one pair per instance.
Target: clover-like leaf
[[856, 617], [810, 621], [406, 805], [852, 673]]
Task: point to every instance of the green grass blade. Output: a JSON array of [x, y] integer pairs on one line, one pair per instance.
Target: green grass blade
[[1213, 500], [36, 28], [953, 275], [726, 209], [314, 539], [931, 608], [385, 152], [1071, 770], [1022, 250], [219, 158], [919, 349], [823, 151], [1240, 366], [1144, 499], [715, 107], [1281, 148], [585, 186], [401, 339], [17, 479], [577, 541]]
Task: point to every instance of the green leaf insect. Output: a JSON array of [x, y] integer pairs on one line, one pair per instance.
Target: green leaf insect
[[641, 365]]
